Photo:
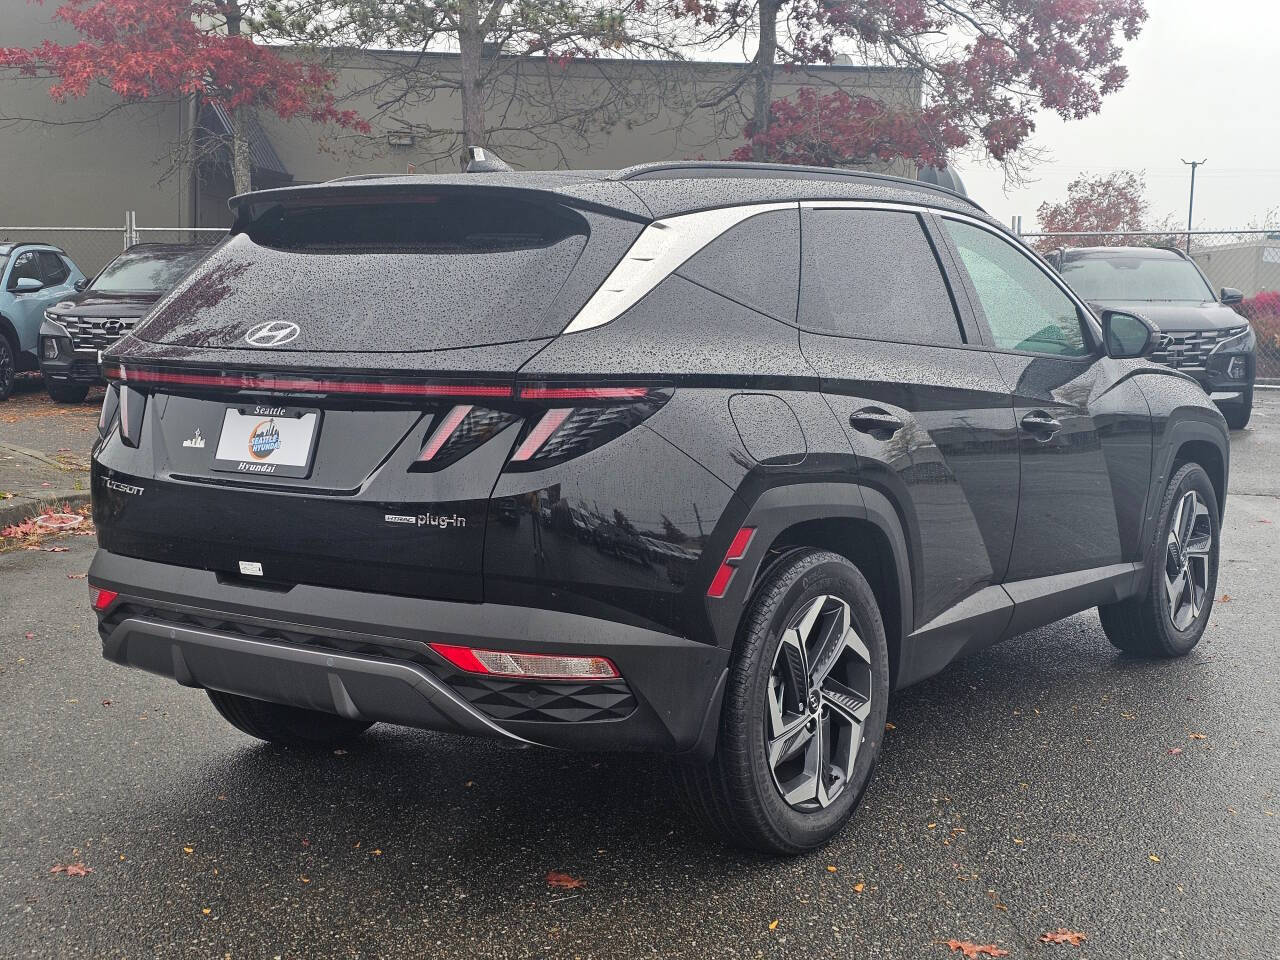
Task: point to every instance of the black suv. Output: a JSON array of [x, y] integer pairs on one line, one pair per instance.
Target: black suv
[[1200, 334], [103, 310], [703, 460]]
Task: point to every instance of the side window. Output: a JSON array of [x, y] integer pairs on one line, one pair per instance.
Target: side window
[[756, 263], [25, 264], [874, 274], [55, 271], [1024, 308]]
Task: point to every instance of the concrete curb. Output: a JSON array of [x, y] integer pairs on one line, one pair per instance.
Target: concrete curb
[[22, 508]]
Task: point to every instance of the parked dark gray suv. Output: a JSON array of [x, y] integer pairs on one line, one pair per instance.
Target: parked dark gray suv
[[1201, 335], [697, 459]]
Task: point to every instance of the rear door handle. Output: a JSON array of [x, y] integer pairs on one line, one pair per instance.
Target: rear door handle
[[875, 421], [1040, 425]]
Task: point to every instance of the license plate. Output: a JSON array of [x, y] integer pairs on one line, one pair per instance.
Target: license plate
[[267, 441]]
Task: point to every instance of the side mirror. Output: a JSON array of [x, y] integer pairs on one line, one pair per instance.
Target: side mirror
[[27, 285], [1231, 295], [1127, 335], [81, 284]]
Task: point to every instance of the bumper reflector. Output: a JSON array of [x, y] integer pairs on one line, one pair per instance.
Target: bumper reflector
[[534, 666], [102, 599]]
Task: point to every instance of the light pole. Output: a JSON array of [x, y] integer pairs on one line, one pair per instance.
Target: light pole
[[1191, 207]]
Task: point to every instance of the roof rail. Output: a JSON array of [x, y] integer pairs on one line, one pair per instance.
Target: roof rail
[[671, 169], [363, 176], [14, 244]]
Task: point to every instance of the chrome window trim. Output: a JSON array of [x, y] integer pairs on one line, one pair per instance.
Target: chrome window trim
[[661, 249]]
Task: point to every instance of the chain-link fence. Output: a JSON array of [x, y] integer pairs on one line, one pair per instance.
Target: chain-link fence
[[92, 248], [1246, 260]]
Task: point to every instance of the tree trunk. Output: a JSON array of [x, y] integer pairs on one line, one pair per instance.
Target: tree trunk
[[241, 164], [471, 56], [766, 53]]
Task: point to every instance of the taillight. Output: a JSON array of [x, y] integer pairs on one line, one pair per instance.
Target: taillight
[[724, 575], [102, 598], [304, 383], [462, 429], [579, 418], [532, 666], [110, 406]]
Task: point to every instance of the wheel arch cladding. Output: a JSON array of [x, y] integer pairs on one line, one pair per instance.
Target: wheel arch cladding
[[867, 547], [855, 522], [10, 333], [1208, 456]]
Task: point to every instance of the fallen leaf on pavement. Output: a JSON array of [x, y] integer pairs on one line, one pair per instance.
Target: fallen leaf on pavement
[[1063, 935], [56, 549], [188, 849], [1225, 598], [889, 726], [976, 949], [76, 576], [206, 911], [1197, 736], [831, 868], [1153, 858], [859, 887], [773, 925], [562, 881], [1175, 750], [71, 869]]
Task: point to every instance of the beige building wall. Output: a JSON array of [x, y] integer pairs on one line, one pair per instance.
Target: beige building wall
[[85, 162], [1251, 267]]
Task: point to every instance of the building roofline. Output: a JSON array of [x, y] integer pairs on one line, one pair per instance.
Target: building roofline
[[849, 68]]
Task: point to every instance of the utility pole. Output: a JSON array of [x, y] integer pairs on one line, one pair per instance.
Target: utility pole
[[1191, 207]]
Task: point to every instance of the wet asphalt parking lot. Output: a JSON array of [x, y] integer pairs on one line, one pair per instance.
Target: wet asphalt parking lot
[[1046, 783]]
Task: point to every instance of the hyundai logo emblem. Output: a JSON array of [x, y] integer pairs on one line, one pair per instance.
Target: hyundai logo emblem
[[112, 327], [273, 333]]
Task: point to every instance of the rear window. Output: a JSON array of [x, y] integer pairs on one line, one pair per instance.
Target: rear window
[[441, 225], [395, 273]]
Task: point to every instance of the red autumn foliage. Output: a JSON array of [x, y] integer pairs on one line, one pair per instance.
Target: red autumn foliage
[[167, 48], [1063, 935], [836, 129], [1114, 202], [985, 68], [563, 881], [971, 950], [1263, 311]]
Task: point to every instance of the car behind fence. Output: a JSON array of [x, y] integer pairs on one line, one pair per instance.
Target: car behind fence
[[92, 248], [1247, 260]]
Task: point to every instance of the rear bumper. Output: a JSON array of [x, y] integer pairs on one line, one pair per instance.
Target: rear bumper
[[365, 656]]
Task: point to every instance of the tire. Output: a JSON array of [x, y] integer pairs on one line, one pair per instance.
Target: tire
[[283, 725], [8, 367], [66, 392], [1155, 624], [1238, 414], [738, 794]]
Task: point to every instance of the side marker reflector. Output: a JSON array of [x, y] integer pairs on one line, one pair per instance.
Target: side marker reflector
[[102, 599], [737, 550]]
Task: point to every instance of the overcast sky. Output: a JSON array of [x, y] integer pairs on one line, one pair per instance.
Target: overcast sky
[[1203, 83]]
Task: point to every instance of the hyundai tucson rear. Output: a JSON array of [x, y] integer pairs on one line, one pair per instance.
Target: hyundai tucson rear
[[590, 461]]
